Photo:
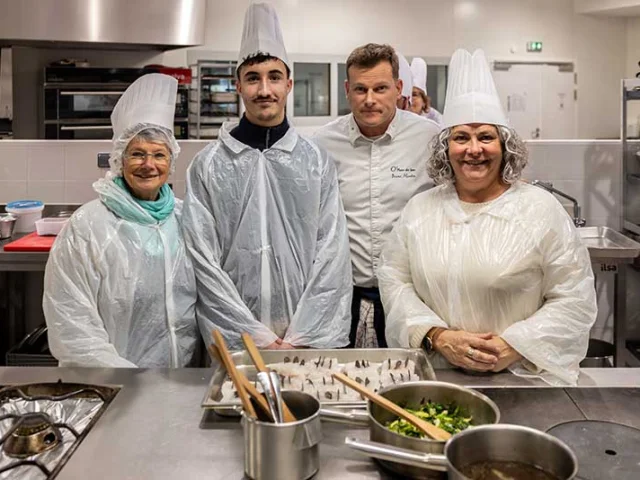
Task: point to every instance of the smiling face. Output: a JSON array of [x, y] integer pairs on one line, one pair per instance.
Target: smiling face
[[372, 94], [475, 153], [264, 88], [146, 167]]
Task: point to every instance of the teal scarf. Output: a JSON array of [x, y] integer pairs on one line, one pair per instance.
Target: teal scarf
[[159, 209]]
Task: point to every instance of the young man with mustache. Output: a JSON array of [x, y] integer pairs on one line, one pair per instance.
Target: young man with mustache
[[381, 154], [263, 218]]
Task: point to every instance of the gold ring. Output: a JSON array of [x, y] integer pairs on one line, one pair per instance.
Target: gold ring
[[470, 352]]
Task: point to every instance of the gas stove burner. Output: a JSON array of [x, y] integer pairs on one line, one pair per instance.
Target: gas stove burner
[[42, 425], [603, 449], [32, 433]]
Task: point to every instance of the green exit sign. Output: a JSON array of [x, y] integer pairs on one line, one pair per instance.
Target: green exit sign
[[534, 46]]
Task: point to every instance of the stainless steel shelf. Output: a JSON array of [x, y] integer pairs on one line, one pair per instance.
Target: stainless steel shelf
[[206, 73]]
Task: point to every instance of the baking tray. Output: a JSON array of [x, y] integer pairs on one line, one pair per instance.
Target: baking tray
[[346, 355]]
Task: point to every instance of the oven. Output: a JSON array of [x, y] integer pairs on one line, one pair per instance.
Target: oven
[[93, 129], [77, 102]]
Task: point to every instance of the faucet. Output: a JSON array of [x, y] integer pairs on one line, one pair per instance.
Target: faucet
[[577, 210]]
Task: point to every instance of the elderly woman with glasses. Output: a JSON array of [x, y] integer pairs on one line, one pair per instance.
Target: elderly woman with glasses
[[119, 287], [484, 271]]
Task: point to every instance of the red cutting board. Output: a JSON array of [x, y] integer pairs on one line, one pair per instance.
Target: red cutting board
[[31, 243]]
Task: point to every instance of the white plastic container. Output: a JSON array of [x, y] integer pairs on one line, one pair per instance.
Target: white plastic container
[[27, 212], [50, 225]]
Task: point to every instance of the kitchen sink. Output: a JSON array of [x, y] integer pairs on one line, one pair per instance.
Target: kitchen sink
[[605, 243]]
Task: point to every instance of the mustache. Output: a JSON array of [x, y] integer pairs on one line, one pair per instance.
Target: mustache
[[262, 98]]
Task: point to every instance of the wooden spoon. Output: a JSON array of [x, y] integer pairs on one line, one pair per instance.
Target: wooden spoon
[[233, 373], [258, 361], [427, 428], [248, 386]]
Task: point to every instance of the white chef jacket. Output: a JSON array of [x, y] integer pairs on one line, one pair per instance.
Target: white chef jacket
[[377, 178]]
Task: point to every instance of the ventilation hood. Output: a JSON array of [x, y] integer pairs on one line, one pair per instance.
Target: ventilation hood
[[104, 24]]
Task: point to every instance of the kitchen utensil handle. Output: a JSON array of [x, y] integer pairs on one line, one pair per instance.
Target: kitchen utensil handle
[[426, 427], [268, 389], [233, 373], [86, 127], [396, 454], [279, 402], [352, 417], [258, 361], [92, 92], [252, 349], [251, 390]]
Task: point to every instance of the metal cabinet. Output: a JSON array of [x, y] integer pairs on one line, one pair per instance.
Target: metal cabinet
[[629, 333], [213, 98]]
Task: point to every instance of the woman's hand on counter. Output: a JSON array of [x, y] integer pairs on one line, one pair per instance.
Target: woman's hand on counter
[[474, 351], [506, 354]]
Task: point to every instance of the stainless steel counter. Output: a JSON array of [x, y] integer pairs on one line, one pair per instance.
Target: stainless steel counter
[[155, 429]]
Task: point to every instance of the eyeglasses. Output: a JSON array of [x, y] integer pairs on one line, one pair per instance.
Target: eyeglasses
[[138, 157]]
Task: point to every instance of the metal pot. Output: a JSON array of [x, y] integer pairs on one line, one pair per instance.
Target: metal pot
[[599, 354], [284, 451], [505, 443], [7, 223], [412, 394]]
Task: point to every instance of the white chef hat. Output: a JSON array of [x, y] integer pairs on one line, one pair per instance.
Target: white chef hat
[[148, 104], [471, 93], [151, 99], [261, 34], [419, 73], [405, 75]]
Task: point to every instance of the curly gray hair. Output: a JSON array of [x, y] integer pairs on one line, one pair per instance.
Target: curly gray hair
[[514, 156]]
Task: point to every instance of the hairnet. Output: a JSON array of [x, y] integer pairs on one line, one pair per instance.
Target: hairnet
[[149, 132]]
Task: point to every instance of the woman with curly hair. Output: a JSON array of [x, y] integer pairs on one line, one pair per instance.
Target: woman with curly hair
[[484, 270]]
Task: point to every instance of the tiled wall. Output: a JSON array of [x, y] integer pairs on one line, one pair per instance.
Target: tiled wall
[[63, 171], [590, 171]]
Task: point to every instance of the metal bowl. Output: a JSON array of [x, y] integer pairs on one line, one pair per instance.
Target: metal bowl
[[7, 223], [411, 395]]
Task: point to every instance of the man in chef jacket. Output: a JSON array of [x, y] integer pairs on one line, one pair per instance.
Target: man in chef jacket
[[263, 218], [381, 154]]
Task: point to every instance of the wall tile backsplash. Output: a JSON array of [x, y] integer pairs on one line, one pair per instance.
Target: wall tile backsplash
[[63, 171], [587, 170]]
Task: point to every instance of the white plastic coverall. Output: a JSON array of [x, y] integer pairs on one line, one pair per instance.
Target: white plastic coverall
[[120, 293], [268, 238], [516, 268]]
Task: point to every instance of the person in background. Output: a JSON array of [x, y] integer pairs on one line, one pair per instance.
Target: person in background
[[119, 289], [485, 270], [404, 72], [420, 101], [381, 153], [263, 218]]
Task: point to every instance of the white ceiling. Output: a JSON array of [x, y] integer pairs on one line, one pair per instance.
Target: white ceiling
[[613, 8]]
